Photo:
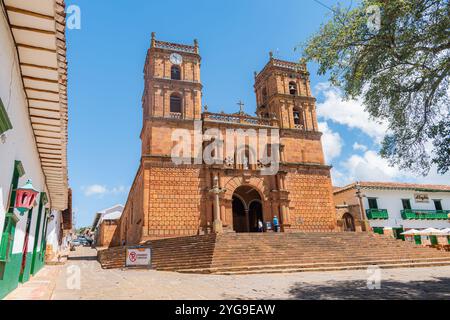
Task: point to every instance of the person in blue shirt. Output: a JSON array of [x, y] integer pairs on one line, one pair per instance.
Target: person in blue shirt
[[275, 224]]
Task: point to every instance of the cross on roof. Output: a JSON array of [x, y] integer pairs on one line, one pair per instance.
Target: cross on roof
[[241, 106]]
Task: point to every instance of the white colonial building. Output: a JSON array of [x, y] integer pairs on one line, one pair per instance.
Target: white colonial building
[[397, 206], [33, 134]]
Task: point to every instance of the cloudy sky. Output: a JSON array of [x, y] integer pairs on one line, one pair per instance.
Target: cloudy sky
[[106, 58]]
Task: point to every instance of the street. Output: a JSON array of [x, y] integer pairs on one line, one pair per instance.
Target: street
[[82, 278]]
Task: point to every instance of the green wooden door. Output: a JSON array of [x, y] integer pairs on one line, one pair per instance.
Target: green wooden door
[[434, 240], [418, 239], [34, 265]]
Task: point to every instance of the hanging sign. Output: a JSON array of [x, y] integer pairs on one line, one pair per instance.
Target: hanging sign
[[421, 198], [138, 257]]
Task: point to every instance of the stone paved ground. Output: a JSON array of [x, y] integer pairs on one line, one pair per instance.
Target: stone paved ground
[[95, 283]]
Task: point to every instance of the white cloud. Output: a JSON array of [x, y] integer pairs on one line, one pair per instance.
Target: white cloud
[[371, 167], [359, 147], [349, 113], [101, 190], [94, 190], [331, 141]]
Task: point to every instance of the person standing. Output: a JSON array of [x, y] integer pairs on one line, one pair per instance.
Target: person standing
[[276, 226]]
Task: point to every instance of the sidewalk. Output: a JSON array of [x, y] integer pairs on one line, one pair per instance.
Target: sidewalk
[[40, 287]]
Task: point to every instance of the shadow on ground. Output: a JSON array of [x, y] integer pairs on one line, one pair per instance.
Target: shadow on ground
[[438, 288]]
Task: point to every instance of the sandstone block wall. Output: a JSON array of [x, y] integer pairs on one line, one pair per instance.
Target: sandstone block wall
[[311, 207]]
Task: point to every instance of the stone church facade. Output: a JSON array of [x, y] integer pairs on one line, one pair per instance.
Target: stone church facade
[[174, 200]]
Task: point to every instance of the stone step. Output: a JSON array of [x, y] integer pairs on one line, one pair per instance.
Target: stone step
[[344, 268], [319, 266], [235, 263], [299, 250]]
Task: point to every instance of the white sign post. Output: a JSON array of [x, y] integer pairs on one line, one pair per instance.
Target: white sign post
[[139, 257]]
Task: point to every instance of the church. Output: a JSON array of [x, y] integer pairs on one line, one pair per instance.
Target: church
[[169, 200]]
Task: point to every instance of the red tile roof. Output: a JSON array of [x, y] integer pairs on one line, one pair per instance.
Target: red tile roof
[[395, 186]]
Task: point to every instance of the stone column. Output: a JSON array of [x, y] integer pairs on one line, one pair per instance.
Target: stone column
[[247, 224], [282, 155], [216, 191]]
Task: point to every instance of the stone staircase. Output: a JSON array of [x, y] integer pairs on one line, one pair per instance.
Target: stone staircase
[[280, 252]]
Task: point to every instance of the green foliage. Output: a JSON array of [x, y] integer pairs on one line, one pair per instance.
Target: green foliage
[[401, 71], [82, 230]]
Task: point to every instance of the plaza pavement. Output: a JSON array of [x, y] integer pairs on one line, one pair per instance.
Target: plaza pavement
[[83, 278]]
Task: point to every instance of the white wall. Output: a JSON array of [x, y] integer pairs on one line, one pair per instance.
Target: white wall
[[53, 230], [20, 142], [392, 201]]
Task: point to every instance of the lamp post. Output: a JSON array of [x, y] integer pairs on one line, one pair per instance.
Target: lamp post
[[216, 191], [25, 197], [359, 195]]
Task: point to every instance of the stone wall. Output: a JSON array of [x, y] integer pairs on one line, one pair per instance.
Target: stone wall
[[106, 232], [311, 206], [172, 200]]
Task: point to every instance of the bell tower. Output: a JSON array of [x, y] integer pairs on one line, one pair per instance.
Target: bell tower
[[172, 93], [283, 91], [172, 81]]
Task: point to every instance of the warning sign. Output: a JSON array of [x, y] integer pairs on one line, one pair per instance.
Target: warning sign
[[139, 257]]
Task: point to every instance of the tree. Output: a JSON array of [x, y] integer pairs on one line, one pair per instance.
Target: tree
[[395, 55]]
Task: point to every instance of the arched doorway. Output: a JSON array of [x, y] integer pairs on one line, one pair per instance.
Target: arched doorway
[[254, 214], [247, 209], [349, 222], [239, 215]]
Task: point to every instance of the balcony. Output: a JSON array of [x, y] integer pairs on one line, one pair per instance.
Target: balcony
[[413, 214], [239, 119], [381, 214]]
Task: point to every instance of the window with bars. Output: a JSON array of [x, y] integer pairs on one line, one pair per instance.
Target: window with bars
[[175, 73], [175, 103]]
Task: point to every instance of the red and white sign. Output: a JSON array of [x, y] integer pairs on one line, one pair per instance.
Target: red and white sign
[[139, 257]]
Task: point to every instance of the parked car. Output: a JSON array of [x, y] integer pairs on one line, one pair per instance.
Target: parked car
[[76, 243], [84, 242]]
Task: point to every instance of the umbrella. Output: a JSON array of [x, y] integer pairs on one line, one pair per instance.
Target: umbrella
[[446, 232], [430, 232], [410, 232]]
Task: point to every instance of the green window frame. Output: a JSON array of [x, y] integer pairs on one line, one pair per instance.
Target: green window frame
[[7, 239], [373, 203], [5, 123], [9, 228]]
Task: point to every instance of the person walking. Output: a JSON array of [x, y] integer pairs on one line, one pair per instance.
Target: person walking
[[260, 226]]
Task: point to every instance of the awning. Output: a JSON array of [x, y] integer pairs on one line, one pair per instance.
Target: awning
[[38, 28], [430, 232], [409, 232]]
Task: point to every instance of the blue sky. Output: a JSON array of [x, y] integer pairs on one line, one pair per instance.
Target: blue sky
[[106, 58]]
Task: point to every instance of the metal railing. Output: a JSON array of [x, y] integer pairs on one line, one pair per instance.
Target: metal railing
[[418, 214], [373, 214]]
